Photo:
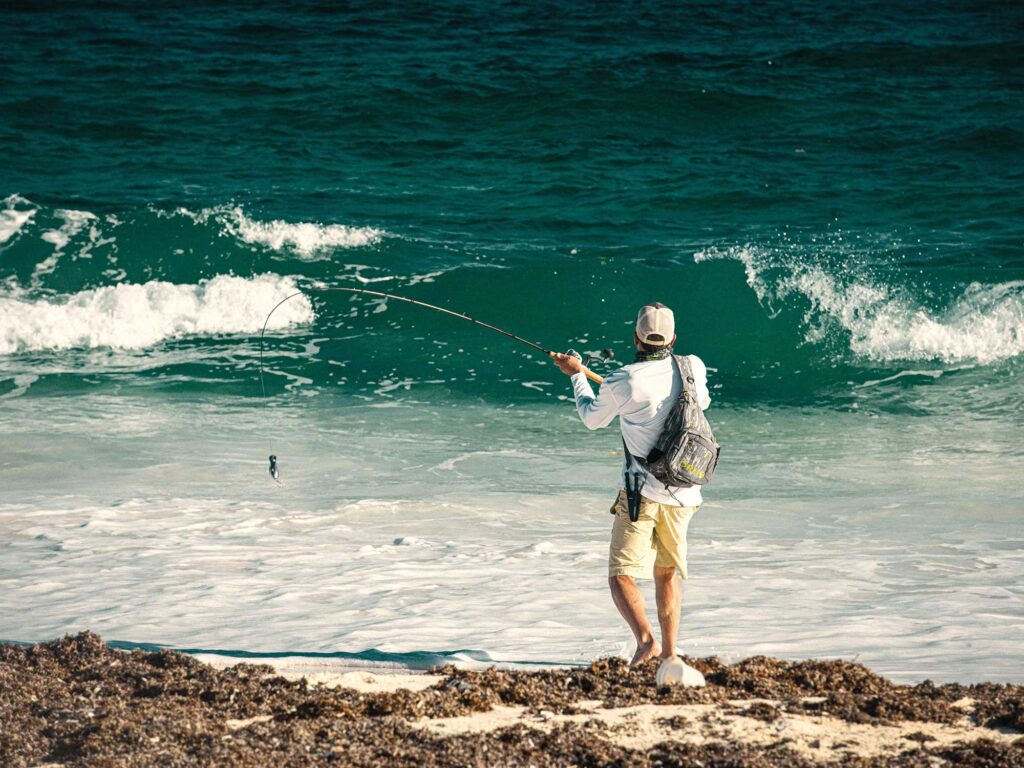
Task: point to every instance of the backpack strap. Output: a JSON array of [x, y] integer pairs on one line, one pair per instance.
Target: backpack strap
[[686, 374]]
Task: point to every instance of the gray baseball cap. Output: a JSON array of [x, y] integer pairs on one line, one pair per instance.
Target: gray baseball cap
[[655, 324]]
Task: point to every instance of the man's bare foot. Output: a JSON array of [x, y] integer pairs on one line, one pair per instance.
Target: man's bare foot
[[645, 651]]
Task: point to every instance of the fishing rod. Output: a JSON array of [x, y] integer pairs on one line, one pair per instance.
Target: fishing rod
[[274, 472]]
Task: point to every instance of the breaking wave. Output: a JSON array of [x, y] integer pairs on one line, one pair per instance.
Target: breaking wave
[[307, 240], [135, 316], [984, 324]]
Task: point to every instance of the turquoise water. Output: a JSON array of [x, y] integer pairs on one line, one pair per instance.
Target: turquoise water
[[829, 197]]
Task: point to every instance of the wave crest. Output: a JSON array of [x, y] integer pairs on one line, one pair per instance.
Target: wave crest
[[985, 324], [135, 316], [308, 240]]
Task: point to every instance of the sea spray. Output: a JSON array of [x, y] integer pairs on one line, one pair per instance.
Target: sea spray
[[982, 323], [307, 240], [133, 316], [73, 223], [13, 216]]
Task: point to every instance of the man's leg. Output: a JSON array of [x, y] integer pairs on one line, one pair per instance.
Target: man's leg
[[630, 602], [668, 593], [673, 523]]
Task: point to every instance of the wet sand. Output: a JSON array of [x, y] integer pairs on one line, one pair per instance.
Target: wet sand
[[75, 702]]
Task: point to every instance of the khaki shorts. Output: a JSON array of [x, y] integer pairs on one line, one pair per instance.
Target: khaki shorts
[[656, 539]]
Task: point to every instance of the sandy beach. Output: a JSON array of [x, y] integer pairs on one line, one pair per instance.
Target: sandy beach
[[76, 702]]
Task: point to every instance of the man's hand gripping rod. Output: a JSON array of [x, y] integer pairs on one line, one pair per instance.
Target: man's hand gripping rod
[[570, 363]]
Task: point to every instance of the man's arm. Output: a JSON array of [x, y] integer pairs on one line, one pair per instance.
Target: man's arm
[[595, 411]]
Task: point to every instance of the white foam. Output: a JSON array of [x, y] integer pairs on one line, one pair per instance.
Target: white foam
[[901, 375], [14, 216], [984, 324], [135, 316], [74, 222], [357, 273], [308, 240], [21, 385], [163, 526], [448, 465]]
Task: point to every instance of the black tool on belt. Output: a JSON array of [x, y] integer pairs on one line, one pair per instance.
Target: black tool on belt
[[634, 481]]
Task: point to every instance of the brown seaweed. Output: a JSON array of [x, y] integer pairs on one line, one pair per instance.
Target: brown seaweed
[[77, 702]]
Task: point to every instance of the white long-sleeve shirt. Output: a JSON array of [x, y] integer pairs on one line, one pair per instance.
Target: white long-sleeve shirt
[[641, 395]]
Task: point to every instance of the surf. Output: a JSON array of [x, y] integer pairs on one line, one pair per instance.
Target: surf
[[130, 316]]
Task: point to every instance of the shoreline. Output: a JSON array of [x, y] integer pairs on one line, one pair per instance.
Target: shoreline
[[331, 673], [77, 702]]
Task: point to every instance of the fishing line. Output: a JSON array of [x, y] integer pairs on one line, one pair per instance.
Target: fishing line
[[273, 469]]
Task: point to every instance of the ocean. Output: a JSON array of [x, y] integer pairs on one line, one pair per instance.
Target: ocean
[[829, 195]]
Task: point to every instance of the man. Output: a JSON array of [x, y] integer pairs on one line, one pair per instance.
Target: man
[[641, 395]]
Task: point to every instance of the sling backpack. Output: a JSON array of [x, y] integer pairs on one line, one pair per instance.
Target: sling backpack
[[686, 452]]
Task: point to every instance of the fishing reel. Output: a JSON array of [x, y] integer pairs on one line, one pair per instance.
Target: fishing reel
[[606, 355]]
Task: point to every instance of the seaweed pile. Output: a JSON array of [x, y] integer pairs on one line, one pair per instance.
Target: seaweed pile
[[76, 702]]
